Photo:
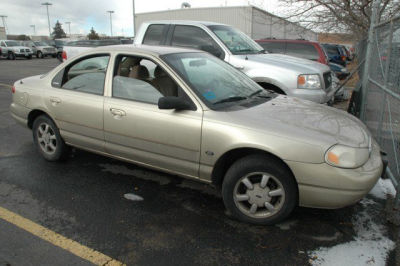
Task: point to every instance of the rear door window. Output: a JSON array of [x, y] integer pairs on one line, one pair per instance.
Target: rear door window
[[273, 47], [302, 50], [154, 34]]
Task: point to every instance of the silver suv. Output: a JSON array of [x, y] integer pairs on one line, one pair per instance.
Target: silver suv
[[281, 73], [13, 49]]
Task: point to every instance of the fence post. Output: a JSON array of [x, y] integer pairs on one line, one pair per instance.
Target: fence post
[[383, 105], [364, 86]]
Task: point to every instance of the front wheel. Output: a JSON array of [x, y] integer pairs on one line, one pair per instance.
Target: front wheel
[[39, 54], [11, 56], [260, 190], [47, 139]]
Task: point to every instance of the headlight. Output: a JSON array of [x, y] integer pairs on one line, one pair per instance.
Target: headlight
[[346, 157], [343, 70], [308, 82]]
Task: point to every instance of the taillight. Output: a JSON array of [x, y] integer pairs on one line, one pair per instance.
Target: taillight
[[64, 55], [13, 89]]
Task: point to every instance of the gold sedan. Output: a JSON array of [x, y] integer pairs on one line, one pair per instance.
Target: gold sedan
[[188, 113]]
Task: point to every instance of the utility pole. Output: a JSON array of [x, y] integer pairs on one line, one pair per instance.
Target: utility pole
[[3, 18], [111, 12], [69, 27], [47, 4], [133, 12], [34, 30]]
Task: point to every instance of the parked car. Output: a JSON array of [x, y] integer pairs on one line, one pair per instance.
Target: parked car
[[186, 112], [58, 44], [12, 50], [298, 48], [340, 71], [281, 73], [335, 54], [43, 50]]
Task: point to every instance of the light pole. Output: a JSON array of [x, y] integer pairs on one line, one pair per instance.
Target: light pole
[[69, 27], [34, 29], [133, 11], [111, 12], [47, 4], [3, 18]]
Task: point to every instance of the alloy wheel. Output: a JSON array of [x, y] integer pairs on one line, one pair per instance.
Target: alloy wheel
[[259, 195], [46, 138]]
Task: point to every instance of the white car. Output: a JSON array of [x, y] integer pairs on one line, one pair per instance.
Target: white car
[[43, 49], [12, 50]]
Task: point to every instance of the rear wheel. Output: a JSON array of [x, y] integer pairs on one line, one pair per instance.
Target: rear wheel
[[47, 139], [259, 190]]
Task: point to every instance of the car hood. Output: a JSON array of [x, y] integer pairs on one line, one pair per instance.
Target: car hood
[[20, 47], [299, 65], [301, 120]]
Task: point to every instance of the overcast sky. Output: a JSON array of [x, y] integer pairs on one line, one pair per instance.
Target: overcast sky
[[85, 14]]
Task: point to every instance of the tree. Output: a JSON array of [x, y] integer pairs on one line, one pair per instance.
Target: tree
[[93, 35], [342, 16], [58, 31]]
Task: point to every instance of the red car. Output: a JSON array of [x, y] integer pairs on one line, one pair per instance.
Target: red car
[[298, 48]]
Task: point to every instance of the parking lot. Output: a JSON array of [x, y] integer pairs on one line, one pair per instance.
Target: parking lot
[[173, 221]]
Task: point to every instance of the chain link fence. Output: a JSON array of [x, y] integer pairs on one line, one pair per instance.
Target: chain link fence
[[377, 101]]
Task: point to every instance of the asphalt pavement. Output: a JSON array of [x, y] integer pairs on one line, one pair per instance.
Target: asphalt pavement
[[173, 221]]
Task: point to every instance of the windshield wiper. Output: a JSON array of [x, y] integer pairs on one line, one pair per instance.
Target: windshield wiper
[[255, 93], [231, 99]]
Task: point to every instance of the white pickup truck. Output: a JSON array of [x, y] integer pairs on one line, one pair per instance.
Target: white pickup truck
[[281, 73]]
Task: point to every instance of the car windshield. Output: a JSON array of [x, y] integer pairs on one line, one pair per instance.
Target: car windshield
[[40, 44], [12, 43], [216, 82], [236, 41]]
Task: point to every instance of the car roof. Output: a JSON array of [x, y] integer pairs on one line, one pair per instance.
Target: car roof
[[184, 22], [151, 49]]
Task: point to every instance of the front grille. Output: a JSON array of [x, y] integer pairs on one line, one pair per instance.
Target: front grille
[[49, 49], [27, 50], [21, 50], [327, 80]]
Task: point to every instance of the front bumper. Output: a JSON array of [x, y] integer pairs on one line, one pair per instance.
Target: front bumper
[[318, 96], [25, 54], [324, 186]]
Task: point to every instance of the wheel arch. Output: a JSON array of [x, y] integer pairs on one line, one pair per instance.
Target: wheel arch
[[270, 86], [228, 158], [36, 113]]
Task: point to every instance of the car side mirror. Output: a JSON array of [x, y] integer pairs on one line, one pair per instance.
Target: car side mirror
[[172, 102]]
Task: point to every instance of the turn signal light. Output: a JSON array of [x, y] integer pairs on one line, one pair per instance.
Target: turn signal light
[[333, 158], [13, 89], [301, 80]]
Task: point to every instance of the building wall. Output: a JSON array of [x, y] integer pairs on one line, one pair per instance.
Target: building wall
[[266, 25], [238, 17], [3, 35], [253, 21]]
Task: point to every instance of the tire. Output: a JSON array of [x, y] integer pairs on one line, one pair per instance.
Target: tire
[[39, 54], [54, 56], [48, 141], [269, 209], [11, 56]]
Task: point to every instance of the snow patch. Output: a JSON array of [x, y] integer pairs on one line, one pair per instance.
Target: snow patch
[[369, 247], [286, 225], [134, 197], [382, 188]]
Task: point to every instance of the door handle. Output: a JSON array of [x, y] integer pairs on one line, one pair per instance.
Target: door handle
[[55, 100], [117, 112]]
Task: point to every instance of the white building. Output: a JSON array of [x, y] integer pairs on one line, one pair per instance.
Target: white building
[[253, 21]]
